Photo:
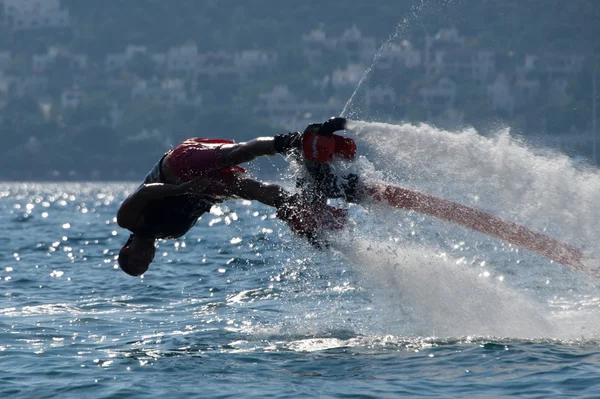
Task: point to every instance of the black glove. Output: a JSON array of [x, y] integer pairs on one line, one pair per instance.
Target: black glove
[[332, 125], [286, 143]]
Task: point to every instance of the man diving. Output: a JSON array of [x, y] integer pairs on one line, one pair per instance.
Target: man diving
[[188, 180]]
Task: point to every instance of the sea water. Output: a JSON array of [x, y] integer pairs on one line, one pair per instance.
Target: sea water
[[399, 305]]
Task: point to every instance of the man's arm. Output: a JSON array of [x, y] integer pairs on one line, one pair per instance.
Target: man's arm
[[128, 215], [268, 194], [235, 154]]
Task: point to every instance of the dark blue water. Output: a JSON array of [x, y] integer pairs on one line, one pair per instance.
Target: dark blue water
[[242, 308]]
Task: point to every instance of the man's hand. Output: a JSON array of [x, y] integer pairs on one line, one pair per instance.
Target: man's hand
[[331, 126], [286, 143]]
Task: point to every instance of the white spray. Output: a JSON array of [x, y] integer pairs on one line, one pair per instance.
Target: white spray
[[432, 278]]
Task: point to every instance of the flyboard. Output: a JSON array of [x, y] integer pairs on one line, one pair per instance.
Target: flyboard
[[320, 146]]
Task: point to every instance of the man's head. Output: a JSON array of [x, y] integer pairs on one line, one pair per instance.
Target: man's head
[[136, 255]]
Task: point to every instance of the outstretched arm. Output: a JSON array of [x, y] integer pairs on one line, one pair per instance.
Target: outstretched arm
[[235, 154]]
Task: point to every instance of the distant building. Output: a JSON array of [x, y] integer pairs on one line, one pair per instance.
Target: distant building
[[115, 62], [380, 96], [439, 96], [356, 47], [446, 55], [218, 65], [477, 66], [279, 97], [35, 14], [399, 55], [351, 45], [347, 78], [160, 59], [555, 66], [118, 61], [186, 59], [41, 62], [78, 62], [280, 108], [169, 92], [248, 61], [71, 98], [315, 44], [182, 59], [500, 95], [439, 100]]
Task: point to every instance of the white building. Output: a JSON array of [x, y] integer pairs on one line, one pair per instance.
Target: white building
[[119, 61], [500, 94], [478, 66], [115, 62], [380, 96], [446, 55], [445, 39], [41, 62], [35, 14], [315, 44], [160, 59], [219, 64], [251, 60], [78, 62], [439, 96], [15, 7], [347, 78], [351, 44], [182, 59], [71, 98], [281, 109], [356, 47], [170, 92], [399, 55], [279, 97], [555, 66]]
